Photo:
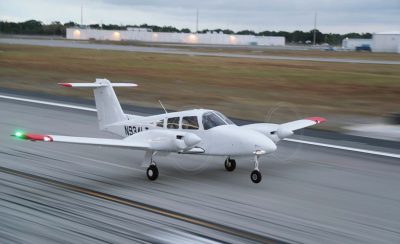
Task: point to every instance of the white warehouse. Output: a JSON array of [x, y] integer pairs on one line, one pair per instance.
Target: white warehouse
[[352, 43], [386, 42], [139, 34], [381, 42]]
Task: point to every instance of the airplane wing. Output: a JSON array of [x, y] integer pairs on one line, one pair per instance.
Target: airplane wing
[[302, 123], [279, 131], [155, 140], [82, 140]]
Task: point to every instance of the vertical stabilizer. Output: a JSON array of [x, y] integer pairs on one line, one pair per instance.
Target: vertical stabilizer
[[109, 109]]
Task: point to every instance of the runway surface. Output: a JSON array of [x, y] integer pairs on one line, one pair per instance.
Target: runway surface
[[166, 50], [309, 193], [36, 211]]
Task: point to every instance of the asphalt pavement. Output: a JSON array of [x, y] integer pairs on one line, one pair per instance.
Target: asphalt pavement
[[309, 193], [35, 212]]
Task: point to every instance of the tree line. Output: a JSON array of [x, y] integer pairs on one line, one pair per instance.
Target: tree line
[[34, 27]]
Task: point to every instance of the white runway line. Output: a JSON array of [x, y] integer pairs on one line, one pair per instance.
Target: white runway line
[[49, 103], [385, 154], [392, 155]]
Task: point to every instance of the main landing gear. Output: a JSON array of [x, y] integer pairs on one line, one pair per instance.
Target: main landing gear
[[230, 164], [152, 170], [255, 175]]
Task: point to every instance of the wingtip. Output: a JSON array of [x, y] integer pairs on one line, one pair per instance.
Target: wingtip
[[317, 120], [38, 137], [34, 137], [65, 84]]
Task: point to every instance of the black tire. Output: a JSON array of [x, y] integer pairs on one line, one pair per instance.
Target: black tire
[[255, 176], [230, 164], [152, 172]]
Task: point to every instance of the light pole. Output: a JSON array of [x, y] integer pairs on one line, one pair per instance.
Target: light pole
[[315, 29], [197, 20]]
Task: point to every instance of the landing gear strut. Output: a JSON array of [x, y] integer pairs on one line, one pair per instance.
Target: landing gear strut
[[230, 164], [255, 175]]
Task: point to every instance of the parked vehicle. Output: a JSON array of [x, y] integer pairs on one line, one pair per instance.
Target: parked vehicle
[[363, 47]]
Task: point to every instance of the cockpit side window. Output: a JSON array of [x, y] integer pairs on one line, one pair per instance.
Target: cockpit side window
[[211, 120], [160, 123], [173, 123], [190, 123]]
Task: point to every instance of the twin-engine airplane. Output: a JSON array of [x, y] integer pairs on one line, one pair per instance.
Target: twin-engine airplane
[[197, 131]]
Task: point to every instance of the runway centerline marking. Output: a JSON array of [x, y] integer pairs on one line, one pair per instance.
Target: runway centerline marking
[[385, 154]]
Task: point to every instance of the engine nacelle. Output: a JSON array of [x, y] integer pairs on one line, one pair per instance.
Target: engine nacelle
[[178, 142], [283, 133], [191, 139]]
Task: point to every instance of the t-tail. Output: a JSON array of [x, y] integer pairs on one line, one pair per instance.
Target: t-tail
[[109, 109]]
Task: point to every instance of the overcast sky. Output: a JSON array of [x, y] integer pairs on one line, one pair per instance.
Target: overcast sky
[[339, 16]]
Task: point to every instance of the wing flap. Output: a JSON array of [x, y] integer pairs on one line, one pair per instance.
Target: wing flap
[[99, 141], [95, 85]]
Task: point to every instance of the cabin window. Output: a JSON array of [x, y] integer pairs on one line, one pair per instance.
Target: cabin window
[[173, 123], [190, 123], [160, 123], [211, 120]]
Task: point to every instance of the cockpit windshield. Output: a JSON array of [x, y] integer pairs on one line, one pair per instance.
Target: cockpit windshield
[[228, 121], [214, 119]]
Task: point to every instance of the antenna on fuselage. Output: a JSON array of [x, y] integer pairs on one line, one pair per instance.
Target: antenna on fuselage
[[166, 112]]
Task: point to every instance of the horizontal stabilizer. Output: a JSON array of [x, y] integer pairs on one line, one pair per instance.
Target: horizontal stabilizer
[[94, 85]]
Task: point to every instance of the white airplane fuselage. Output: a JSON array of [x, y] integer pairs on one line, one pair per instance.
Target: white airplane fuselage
[[225, 140]]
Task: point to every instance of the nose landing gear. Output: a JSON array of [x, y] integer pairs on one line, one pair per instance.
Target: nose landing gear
[[255, 175], [230, 164]]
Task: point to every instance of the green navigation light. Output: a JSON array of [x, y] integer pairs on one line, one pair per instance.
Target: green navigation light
[[19, 134]]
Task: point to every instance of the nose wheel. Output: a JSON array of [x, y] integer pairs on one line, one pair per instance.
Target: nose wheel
[[230, 164], [256, 176], [152, 172]]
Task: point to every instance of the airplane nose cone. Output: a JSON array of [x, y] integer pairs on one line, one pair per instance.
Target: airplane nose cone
[[191, 139]]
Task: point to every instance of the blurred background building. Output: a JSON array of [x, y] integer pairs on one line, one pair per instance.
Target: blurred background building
[[380, 42], [146, 35], [352, 43], [386, 42]]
